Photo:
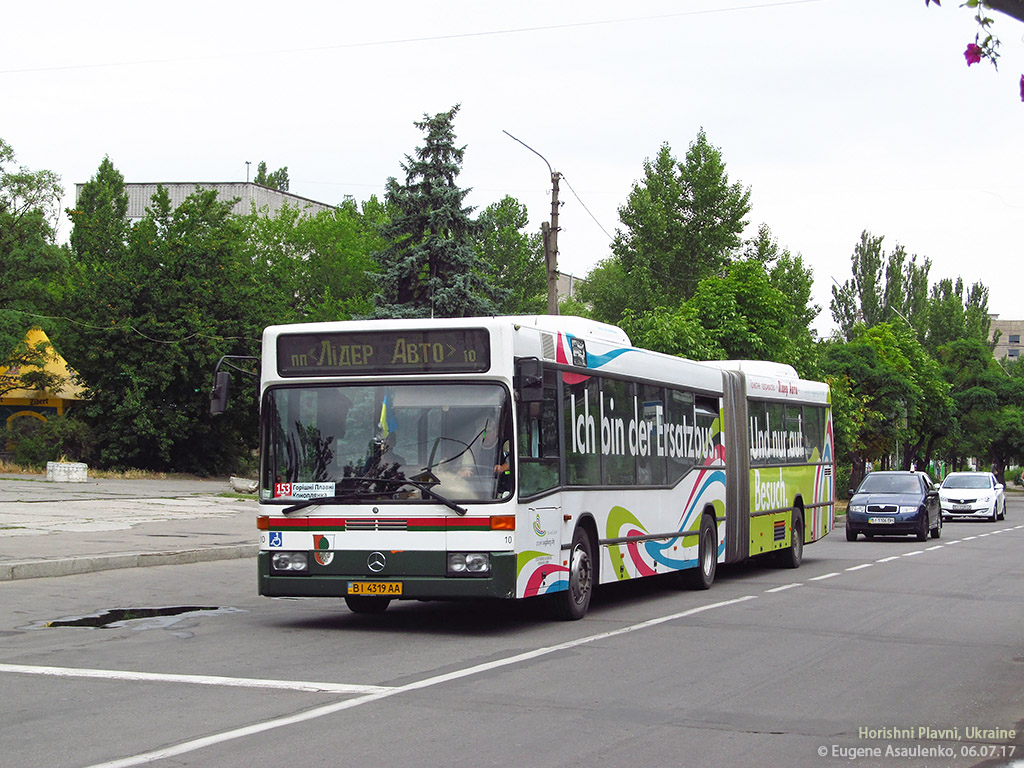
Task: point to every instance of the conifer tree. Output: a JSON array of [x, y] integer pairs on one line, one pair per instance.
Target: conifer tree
[[430, 266]]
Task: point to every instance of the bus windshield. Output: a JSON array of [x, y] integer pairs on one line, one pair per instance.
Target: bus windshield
[[365, 439]]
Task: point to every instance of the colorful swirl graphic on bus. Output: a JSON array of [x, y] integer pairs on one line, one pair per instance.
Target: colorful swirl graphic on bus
[[672, 554], [547, 576]]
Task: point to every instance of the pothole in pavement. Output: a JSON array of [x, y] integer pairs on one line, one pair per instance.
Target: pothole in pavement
[[136, 618]]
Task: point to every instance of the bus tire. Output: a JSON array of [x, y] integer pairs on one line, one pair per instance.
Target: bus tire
[[703, 576], [793, 555], [571, 604], [367, 603]]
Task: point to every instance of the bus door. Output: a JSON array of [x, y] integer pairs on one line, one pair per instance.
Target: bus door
[[539, 527], [737, 460]]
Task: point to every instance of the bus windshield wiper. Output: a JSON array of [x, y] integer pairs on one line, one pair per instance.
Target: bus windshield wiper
[[426, 488], [355, 494]]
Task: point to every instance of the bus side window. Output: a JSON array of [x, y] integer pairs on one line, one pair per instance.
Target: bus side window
[[538, 441], [814, 432]]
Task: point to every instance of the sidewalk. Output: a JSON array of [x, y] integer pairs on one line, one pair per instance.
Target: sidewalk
[[58, 529]]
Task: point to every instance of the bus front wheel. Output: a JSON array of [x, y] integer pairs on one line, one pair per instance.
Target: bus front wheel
[[703, 576], [571, 604]]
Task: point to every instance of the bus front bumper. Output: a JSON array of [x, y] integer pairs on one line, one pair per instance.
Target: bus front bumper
[[404, 576]]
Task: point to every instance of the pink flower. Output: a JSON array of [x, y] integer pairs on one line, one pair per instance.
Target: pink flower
[[972, 54]]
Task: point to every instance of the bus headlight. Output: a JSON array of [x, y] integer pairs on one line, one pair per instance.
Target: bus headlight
[[292, 563], [469, 563]]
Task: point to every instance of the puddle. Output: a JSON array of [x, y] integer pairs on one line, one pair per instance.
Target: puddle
[[136, 618]]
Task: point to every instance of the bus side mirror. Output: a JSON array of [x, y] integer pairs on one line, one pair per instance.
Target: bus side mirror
[[219, 395], [530, 380]]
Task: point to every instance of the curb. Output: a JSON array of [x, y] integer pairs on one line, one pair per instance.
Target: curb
[[71, 566]]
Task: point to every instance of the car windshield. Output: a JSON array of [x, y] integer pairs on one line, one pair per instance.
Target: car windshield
[[364, 441], [967, 481], [883, 483]]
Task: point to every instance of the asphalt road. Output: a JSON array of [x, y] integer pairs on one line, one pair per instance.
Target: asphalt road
[[888, 652]]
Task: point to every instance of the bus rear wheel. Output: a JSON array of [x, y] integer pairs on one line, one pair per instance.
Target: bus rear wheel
[[571, 604], [367, 603], [793, 555]]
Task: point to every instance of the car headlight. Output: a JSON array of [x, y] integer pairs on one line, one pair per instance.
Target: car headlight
[[293, 563], [469, 564], [908, 509], [858, 508]]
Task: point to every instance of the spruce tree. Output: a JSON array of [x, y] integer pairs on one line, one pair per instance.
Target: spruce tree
[[430, 266]]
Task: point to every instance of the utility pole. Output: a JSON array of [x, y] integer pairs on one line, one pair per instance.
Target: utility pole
[[549, 233]]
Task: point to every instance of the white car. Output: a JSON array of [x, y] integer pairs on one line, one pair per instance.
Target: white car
[[972, 495]]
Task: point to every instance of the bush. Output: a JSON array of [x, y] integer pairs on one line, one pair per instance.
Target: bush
[[35, 442], [842, 480]]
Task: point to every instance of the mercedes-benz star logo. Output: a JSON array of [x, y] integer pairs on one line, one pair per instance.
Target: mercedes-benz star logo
[[376, 562]]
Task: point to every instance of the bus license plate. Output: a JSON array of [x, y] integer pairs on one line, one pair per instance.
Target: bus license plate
[[386, 588], [881, 520]]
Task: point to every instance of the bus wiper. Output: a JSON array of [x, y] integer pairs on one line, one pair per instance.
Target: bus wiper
[[426, 488], [361, 494], [342, 498]]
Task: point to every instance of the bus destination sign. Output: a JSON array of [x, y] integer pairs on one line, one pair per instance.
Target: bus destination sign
[[356, 353]]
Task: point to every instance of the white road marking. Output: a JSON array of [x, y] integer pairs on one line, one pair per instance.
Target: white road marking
[[238, 733], [785, 587], [238, 682], [376, 693]]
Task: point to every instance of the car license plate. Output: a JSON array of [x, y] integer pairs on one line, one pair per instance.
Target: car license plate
[[386, 588], [881, 520], [966, 507]]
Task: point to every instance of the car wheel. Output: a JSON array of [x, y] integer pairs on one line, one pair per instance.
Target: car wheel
[[922, 529], [937, 530], [1002, 512], [995, 514], [851, 534]]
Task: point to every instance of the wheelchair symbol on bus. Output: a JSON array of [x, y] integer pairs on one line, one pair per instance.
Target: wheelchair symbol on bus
[[275, 539]]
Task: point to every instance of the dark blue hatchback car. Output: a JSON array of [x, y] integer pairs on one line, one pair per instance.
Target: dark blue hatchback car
[[892, 503]]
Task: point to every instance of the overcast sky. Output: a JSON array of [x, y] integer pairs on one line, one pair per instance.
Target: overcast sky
[[840, 115]]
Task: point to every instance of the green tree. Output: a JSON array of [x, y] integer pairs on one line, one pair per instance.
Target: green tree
[[954, 313], [740, 315], [30, 262], [795, 280], [682, 223], [149, 328], [901, 405], [100, 217], [987, 406], [275, 179], [430, 266], [312, 268], [884, 288], [511, 259]]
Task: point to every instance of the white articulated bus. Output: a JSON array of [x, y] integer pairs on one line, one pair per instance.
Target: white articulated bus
[[513, 457]]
